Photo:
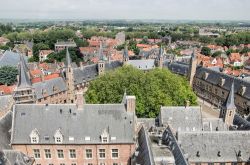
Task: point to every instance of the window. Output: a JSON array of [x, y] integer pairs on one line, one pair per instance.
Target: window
[[88, 153], [73, 163], [102, 163], [72, 153], [90, 163], [60, 154], [102, 153], [104, 139], [58, 139], [51, 164], [47, 153], [34, 140], [36, 153], [114, 153], [115, 163], [62, 164]]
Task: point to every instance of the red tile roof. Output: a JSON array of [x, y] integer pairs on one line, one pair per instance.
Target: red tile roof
[[7, 89]]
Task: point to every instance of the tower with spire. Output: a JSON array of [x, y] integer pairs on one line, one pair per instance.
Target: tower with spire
[[101, 62], [192, 68], [159, 59], [228, 109], [24, 93], [125, 55], [69, 78]]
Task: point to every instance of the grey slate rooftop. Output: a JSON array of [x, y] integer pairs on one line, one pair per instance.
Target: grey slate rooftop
[[5, 127], [90, 122], [90, 72], [143, 64], [11, 157], [214, 77], [217, 146], [51, 87], [10, 58], [181, 118]]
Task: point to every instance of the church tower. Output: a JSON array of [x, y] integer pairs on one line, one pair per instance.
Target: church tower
[[69, 78], [159, 59], [125, 55], [192, 68], [24, 93], [228, 109], [101, 62]]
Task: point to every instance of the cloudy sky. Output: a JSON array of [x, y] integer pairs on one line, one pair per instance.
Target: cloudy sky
[[126, 9]]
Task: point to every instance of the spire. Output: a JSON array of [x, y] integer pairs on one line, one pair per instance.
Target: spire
[[101, 57], [68, 58], [193, 56], [125, 52], [24, 63], [124, 97], [229, 104], [24, 81], [161, 52]]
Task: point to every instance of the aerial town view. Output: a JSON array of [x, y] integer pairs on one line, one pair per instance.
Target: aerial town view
[[125, 82]]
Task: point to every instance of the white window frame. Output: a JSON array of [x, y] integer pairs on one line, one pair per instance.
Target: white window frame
[[34, 153], [115, 153], [60, 153], [99, 153], [47, 152], [88, 153], [70, 153]]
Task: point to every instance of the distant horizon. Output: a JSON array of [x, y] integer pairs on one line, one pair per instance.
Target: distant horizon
[[217, 10]]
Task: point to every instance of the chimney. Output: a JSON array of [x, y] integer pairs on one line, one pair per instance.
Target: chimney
[[42, 77], [130, 103], [80, 100], [81, 65]]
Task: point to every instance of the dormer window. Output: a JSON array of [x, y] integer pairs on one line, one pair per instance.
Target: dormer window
[[242, 90], [58, 136], [105, 136], [34, 136], [222, 81], [205, 75]]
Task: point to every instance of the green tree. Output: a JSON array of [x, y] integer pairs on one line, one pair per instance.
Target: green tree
[[8, 75], [153, 89], [216, 54], [206, 51]]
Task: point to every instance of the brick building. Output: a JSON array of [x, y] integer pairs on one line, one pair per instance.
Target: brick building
[[101, 134]]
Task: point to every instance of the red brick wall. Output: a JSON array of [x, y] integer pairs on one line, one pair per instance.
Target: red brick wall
[[125, 152]]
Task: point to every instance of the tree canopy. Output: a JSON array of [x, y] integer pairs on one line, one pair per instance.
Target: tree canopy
[[8, 75], [153, 89]]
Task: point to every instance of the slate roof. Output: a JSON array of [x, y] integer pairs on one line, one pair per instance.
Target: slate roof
[[241, 123], [24, 81], [89, 122], [11, 157], [10, 58], [229, 143], [143, 64], [229, 104], [181, 118], [90, 72], [214, 78], [178, 68], [145, 156], [48, 85], [5, 127], [68, 58], [5, 100], [214, 124]]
